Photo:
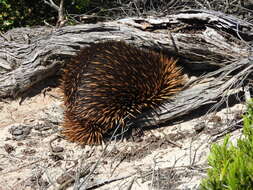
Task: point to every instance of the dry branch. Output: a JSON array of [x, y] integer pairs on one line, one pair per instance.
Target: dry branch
[[203, 40], [202, 92], [60, 9]]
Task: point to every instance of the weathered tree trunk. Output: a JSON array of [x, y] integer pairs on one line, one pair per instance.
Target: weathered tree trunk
[[210, 43]]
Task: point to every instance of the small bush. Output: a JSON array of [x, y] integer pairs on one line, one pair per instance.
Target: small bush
[[17, 13], [232, 165]]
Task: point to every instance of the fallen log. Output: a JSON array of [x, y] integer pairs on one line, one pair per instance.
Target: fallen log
[[213, 48]]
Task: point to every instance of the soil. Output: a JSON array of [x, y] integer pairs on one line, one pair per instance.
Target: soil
[[34, 155]]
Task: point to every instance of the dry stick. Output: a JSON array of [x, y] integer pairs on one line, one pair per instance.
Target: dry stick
[[192, 160], [49, 178], [79, 169], [124, 157], [3, 36], [129, 187], [66, 184], [101, 157], [59, 9], [173, 41], [117, 165], [153, 173], [52, 4], [172, 142], [21, 167], [61, 20], [79, 175], [224, 132], [107, 182]]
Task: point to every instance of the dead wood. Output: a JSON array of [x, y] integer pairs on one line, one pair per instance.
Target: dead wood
[[214, 45]]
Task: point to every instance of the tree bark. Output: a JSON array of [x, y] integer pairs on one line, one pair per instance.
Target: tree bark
[[211, 44]]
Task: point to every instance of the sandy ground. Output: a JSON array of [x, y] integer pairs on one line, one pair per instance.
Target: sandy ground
[[34, 156]]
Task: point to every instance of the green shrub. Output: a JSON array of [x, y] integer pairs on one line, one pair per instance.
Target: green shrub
[[17, 13], [77, 6], [232, 165]]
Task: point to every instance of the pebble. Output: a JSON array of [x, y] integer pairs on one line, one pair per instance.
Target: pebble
[[19, 131]]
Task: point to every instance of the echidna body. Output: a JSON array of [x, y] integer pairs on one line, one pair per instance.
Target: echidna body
[[110, 81]]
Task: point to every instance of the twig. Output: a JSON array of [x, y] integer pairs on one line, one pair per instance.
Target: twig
[[2, 35], [66, 184], [227, 131], [107, 182], [52, 4], [130, 185], [117, 165], [29, 164], [153, 173], [60, 9], [171, 142]]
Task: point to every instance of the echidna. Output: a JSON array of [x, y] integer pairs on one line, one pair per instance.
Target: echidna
[[108, 81]]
